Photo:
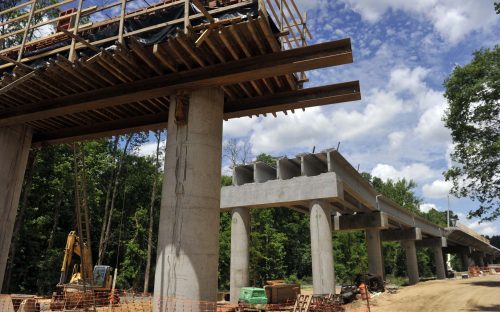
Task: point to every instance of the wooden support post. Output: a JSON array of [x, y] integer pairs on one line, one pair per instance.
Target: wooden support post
[[282, 17], [26, 31], [72, 51], [122, 21], [186, 17]]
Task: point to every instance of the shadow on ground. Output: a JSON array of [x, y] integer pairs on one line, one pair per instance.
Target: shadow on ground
[[486, 284], [495, 308]]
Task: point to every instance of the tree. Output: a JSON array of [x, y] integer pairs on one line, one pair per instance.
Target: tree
[[497, 7], [237, 152], [151, 211], [473, 116]]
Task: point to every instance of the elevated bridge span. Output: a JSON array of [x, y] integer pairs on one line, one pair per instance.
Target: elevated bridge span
[[337, 198]]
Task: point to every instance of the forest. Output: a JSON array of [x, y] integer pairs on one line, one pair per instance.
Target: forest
[[123, 195]]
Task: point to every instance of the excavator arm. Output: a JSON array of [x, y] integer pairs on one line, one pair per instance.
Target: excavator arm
[[74, 247]]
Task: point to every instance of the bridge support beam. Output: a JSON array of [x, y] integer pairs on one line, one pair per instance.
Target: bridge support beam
[[374, 220], [188, 240], [15, 143], [411, 261], [240, 259], [321, 248], [374, 250]]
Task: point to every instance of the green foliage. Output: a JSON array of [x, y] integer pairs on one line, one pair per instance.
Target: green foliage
[[349, 250], [495, 241], [497, 7], [473, 116], [50, 216], [267, 159]]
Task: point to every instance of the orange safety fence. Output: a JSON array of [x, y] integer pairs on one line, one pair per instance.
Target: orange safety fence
[[123, 301], [127, 301]]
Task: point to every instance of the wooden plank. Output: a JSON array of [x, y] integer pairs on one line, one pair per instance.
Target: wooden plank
[[103, 129], [41, 10], [81, 40], [203, 11], [26, 30], [110, 39], [151, 121], [280, 63], [22, 5]]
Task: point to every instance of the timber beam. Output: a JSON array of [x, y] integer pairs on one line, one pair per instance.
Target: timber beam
[[328, 94], [243, 70], [432, 242], [401, 235], [361, 221]]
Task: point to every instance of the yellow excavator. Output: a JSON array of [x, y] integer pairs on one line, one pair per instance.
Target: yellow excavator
[[81, 274], [79, 284]]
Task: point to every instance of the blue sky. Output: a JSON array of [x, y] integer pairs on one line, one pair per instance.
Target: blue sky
[[403, 51]]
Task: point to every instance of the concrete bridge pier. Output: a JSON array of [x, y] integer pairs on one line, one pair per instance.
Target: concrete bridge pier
[[407, 237], [240, 257], [322, 248], [411, 261], [188, 240], [374, 250], [479, 259], [439, 262], [436, 244], [371, 223], [465, 260], [15, 144]]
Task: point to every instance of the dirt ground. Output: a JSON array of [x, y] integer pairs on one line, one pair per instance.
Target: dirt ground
[[475, 294]]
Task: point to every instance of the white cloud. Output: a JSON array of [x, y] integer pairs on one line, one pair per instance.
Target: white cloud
[[437, 189], [427, 207], [431, 127], [416, 172], [239, 127], [149, 149], [451, 20], [484, 228]]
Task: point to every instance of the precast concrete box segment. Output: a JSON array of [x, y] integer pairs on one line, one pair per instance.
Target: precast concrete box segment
[[189, 220]]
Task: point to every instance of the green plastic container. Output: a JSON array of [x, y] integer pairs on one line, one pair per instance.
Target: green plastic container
[[252, 295]]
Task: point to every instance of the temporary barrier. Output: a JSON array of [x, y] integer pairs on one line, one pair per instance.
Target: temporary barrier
[[126, 301]]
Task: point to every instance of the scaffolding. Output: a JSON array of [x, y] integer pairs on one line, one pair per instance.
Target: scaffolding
[[36, 24]]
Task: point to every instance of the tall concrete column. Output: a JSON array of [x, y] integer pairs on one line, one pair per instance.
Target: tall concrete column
[[411, 261], [322, 248], [188, 243], [439, 263], [374, 250], [240, 256], [15, 143]]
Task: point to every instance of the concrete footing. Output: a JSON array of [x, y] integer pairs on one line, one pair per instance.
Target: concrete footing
[[15, 143], [240, 258], [188, 240], [322, 248], [411, 261], [374, 250]]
